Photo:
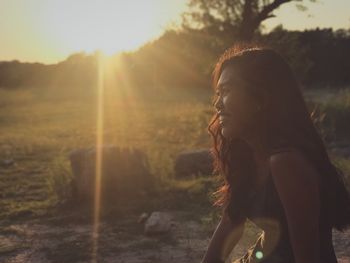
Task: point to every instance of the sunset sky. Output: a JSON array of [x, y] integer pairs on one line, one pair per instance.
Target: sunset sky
[[48, 31]]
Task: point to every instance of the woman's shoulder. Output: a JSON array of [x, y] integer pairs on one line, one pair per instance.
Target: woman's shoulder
[[287, 152], [284, 145], [284, 148], [290, 156]]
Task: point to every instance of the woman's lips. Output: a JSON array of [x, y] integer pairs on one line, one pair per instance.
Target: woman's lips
[[223, 120], [223, 117]]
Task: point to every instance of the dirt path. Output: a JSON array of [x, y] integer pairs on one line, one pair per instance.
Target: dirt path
[[122, 241]]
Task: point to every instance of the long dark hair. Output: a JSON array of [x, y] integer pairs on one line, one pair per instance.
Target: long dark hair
[[287, 123]]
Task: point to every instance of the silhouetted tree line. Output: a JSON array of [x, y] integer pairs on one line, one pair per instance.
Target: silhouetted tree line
[[318, 56], [185, 58]]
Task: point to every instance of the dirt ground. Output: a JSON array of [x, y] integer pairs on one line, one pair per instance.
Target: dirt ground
[[60, 240]]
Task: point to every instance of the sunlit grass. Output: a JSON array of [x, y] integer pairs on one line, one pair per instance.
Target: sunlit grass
[[38, 130]]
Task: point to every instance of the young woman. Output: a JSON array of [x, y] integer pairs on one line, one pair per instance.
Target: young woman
[[275, 168]]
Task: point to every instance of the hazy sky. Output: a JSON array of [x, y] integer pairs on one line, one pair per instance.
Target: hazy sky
[[49, 30]]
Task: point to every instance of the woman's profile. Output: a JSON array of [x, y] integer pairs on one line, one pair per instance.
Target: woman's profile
[[275, 168]]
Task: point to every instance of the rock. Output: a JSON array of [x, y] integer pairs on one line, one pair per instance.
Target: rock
[[125, 173], [196, 162], [343, 152], [158, 223], [340, 148], [7, 163], [142, 218]]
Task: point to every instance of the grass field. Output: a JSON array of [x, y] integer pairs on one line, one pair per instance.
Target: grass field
[[39, 130]]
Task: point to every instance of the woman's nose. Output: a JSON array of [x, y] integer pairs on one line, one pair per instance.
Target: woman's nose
[[218, 104]]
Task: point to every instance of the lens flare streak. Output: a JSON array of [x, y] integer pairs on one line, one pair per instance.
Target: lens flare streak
[[98, 170]]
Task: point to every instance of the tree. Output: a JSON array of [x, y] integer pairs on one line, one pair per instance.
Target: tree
[[239, 17]]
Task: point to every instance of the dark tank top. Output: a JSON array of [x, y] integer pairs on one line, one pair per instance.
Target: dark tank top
[[274, 245]]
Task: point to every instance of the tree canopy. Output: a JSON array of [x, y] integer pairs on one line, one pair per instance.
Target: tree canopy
[[240, 18]]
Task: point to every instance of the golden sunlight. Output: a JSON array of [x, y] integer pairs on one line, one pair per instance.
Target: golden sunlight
[[110, 26]]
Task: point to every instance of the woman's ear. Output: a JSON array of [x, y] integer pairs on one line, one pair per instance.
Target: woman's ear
[[260, 101], [261, 104]]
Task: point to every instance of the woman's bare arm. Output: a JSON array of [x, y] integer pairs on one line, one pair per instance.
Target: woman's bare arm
[[225, 237], [297, 185]]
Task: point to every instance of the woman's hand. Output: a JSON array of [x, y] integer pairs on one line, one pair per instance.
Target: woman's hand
[[225, 237]]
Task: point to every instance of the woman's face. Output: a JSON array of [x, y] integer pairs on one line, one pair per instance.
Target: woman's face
[[236, 108]]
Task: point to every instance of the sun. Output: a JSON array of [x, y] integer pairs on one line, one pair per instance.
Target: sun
[[109, 26]]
